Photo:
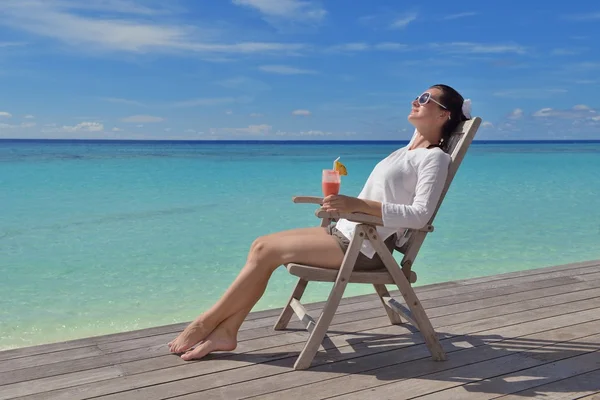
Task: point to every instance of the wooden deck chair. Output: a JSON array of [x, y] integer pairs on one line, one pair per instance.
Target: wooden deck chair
[[400, 275]]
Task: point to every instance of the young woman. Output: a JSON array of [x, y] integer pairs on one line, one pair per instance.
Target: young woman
[[403, 189]]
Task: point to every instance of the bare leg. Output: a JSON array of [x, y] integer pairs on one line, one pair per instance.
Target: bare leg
[[312, 246]]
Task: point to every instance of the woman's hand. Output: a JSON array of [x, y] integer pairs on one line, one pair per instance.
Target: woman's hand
[[342, 204]]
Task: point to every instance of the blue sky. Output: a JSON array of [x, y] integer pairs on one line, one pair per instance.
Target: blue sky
[[293, 69]]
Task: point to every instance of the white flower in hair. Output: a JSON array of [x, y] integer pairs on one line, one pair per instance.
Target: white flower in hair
[[466, 108]]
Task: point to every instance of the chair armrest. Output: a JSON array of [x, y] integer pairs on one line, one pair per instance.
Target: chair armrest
[[307, 200], [354, 217]]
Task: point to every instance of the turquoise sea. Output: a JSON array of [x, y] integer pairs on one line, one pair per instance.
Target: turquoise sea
[[100, 237]]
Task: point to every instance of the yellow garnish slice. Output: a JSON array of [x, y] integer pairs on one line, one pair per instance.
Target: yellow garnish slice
[[341, 168]]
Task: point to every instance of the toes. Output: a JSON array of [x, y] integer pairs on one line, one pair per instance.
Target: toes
[[177, 349], [200, 351]]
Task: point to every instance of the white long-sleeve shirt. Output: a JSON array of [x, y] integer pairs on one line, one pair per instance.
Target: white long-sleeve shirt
[[408, 183]]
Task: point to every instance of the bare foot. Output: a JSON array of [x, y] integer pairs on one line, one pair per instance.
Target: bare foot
[[192, 334], [219, 340]]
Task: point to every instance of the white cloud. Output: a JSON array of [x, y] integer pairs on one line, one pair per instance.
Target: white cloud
[[487, 124], [228, 112], [308, 133], [11, 44], [285, 70], [142, 119], [63, 21], [256, 115], [517, 113], [115, 129], [403, 21], [85, 126], [81, 127], [544, 112], [356, 47], [151, 7], [586, 81], [567, 51], [478, 48], [460, 15], [349, 47], [578, 112], [21, 125], [262, 129], [295, 10], [302, 113], [583, 66], [584, 17], [390, 46], [4, 114], [29, 116], [243, 83]]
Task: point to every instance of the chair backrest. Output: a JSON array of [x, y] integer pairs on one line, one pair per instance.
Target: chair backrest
[[457, 148], [460, 141]]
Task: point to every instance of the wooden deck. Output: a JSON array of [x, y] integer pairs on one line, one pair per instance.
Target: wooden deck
[[529, 334]]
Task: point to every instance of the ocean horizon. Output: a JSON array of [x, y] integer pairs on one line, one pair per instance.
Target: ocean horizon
[[104, 236], [304, 141]]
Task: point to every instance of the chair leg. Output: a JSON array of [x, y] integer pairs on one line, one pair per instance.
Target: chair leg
[[393, 315], [318, 334], [288, 311], [416, 309]]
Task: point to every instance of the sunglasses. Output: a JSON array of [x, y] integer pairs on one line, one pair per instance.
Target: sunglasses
[[425, 97]]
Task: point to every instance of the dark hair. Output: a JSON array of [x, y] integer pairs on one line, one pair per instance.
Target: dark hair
[[453, 101]]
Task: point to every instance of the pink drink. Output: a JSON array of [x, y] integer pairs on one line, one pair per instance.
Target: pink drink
[[331, 182]]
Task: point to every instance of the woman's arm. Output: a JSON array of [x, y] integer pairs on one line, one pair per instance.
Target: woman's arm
[[431, 179], [348, 204], [370, 207]]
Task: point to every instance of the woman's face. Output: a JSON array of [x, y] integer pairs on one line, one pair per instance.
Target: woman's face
[[430, 114]]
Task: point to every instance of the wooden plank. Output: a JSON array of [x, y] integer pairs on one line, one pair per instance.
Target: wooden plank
[[571, 267], [400, 309], [575, 387], [554, 287], [302, 315], [145, 350], [80, 365], [446, 288], [558, 364], [47, 384], [426, 385], [383, 293], [592, 397], [288, 311], [48, 358], [196, 369], [146, 363], [408, 361], [380, 369], [123, 336]]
